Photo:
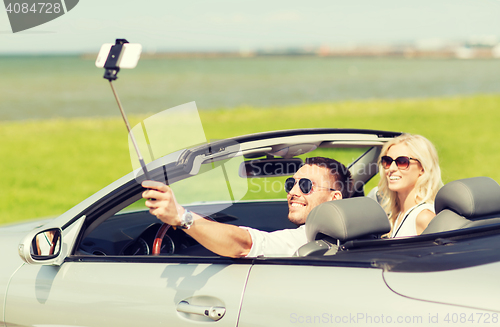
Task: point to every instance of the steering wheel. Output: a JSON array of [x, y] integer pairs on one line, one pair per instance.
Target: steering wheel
[[160, 234], [159, 239]]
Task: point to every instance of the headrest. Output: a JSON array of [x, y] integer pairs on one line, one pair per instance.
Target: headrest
[[347, 219], [470, 197]]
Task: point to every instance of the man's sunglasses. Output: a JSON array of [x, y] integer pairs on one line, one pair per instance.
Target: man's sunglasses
[[305, 185], [402, 162]]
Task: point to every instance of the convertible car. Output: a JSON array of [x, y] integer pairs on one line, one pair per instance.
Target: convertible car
[[109, 262]]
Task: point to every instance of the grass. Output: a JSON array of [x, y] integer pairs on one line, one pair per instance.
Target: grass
[[49, 166]]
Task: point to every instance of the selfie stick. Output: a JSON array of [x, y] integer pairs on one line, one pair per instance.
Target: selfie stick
[[111, 70]]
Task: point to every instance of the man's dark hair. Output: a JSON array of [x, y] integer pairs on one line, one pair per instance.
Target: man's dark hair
[[342, 175]]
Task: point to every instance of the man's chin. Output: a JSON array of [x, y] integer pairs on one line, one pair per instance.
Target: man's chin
[[297, 220]]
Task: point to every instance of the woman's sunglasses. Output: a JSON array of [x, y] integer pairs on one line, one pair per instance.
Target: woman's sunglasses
[[402, 162], [305, 185]]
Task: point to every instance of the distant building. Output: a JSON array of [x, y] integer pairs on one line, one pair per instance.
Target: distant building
[[495, 52]]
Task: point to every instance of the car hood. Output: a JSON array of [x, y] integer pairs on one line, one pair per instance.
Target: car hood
[[23, 227], [10, 237]]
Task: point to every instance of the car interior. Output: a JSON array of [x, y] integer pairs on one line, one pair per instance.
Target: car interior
[[333, 227], [129, 229], [356, 223], [338, 226]]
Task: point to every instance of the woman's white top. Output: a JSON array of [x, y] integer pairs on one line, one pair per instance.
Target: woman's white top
[[408, 225]]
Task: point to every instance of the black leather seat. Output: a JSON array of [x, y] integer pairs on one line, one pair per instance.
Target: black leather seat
[[335, 222], [466, 203]]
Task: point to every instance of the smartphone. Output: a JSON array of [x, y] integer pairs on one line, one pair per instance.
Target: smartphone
[[128, 58]]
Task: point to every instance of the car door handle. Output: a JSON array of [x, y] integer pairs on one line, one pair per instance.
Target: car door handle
[[214, 313]]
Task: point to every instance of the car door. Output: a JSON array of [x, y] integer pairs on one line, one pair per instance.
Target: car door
[[107, 292], [96, 290], [291, 292], [305, 291]]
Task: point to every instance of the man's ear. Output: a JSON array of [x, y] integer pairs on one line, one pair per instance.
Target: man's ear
[[335, 195]]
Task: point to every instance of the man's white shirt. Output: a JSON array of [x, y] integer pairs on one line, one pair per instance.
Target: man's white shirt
[[281, 243]]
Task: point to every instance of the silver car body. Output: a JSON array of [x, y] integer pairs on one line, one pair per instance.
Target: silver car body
[[425, 280]]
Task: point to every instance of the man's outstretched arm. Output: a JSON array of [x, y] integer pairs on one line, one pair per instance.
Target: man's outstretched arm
[[223, 239]]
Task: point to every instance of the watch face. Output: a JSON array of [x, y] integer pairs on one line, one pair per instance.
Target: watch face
[[187, 219]]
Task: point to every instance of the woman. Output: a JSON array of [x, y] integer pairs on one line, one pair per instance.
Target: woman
[[410, 179]]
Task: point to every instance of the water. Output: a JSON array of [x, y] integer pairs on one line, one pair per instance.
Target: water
[[65, 86]]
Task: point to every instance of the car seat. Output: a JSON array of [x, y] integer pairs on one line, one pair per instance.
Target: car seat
[[335, 222], [466, 203]]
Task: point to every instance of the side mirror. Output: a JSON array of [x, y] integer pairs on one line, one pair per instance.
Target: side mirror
[[41, 246]]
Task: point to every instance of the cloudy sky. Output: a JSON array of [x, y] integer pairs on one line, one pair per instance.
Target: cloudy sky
[[191, 25]]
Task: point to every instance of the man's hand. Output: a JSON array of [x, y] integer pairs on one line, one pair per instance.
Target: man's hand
[[223, 239], [161, 202]]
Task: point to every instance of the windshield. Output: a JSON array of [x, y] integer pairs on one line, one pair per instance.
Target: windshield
[[220, 181], [214, 175]]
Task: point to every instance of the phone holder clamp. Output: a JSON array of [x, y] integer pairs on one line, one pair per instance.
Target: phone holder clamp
[[111, 64]]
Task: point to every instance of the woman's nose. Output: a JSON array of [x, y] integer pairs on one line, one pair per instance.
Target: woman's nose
[[393, 166]]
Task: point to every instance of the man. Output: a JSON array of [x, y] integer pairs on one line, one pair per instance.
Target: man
[[317, 181]]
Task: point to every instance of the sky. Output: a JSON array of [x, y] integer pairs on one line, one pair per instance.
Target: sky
[[237, 25]]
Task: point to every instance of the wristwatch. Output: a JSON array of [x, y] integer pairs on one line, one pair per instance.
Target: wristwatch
[[186, 220]]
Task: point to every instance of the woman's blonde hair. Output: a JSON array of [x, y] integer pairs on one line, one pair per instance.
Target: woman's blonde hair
[[427, 184]]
